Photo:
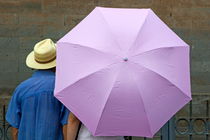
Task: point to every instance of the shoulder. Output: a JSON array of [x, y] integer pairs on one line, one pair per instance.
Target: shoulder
[[22, 85], [36, 84], [40, 80], [20, 90]]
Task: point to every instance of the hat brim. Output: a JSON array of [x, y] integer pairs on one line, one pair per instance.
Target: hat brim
[[32, 63]]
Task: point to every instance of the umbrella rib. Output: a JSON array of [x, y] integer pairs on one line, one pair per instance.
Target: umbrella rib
[[83, 77], [141, 53], [162, 77], [108, 26], [107, 99], [87, 47], [139, 30], [143, 105]]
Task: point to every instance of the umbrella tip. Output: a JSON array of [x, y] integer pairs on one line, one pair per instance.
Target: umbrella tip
[[125, 59]]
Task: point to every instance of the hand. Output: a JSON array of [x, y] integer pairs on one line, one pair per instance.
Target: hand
[[73, 125], [14, 133]]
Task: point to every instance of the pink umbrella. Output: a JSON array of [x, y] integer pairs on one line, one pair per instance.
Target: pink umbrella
[[122, 72]]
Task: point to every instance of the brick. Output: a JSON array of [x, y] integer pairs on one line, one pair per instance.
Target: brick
[[22, 63], [191, 13], [22, 76], [41, 19], [199, 110], [200, 66], [162, 11], [198, 34], [7, 18], [191, 3], [200, 50], [9, 6], [72, 20], [23, 68], [49, 6], [184, 111], [96, 2], [200, 78], [29, 31], [203, 44], [104, 3], [7, 30], [9, 61], [200, 55], [181, 18], [200, 13], [9, 44], [23, 71], [181, 23], [202, 3], [126, 3], [183, 3], [162, 3], [9, 79], [20, 6], [28, 43], [32, 6], [54, 32], [6, 91], [183, 13], [50, 3], [202, 24], [167, 20], [184, 34], [76, 7], [200, 88]]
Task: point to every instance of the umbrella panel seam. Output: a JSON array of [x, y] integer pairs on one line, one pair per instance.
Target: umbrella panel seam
[[166, 47], [162, 77], [107, 99], [108, 26], [87, 47], [140, 29], [143, 104], [87, 76]]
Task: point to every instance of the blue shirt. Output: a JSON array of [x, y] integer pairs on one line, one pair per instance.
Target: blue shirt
[[34, 110]]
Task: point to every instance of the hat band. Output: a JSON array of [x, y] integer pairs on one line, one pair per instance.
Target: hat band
[[45, 61]]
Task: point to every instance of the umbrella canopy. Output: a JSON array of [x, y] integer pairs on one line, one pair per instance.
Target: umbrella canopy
[[122, 72]]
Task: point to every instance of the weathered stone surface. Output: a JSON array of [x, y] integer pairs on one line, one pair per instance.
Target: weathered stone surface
[[9, 44], [9, 19], [28, 31], [25, 22], [41, 19], [7, 30], [54, 32], [72, 20]]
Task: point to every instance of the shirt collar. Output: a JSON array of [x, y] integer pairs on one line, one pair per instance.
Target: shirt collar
[[43, 73]]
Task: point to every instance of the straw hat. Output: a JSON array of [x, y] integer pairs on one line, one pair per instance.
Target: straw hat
[[43, 56]]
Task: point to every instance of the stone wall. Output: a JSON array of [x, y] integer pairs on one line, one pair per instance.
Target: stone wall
[[25, 22]]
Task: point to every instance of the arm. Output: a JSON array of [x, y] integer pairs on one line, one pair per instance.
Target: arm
[[13, 115], [73, 124], [14, 133], [64, 121], [65, 132]]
